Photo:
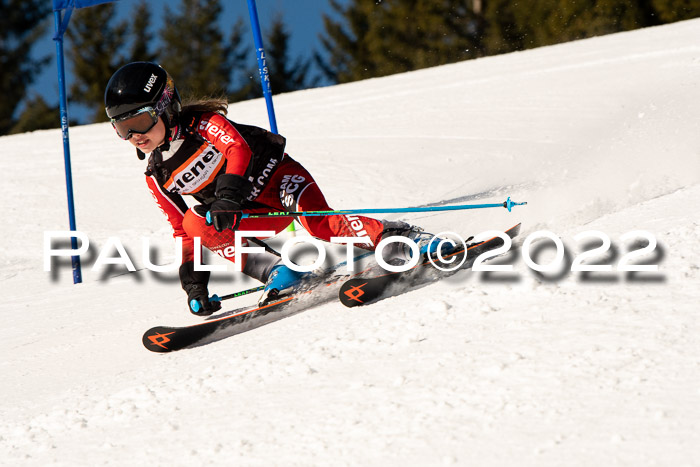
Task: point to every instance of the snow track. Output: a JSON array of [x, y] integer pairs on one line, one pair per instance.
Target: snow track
[[486, 369]]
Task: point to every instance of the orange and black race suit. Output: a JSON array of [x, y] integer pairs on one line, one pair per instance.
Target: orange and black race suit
[[207, 145]]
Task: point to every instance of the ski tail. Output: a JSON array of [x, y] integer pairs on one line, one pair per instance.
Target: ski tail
[[359, 291]]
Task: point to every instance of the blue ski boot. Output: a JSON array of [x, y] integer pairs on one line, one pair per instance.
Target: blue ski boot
[[428, 243], [282, 281]]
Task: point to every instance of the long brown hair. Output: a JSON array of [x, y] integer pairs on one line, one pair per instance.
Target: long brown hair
[[207, 104]]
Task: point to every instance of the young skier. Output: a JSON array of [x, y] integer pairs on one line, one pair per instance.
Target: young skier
[[227, 167]]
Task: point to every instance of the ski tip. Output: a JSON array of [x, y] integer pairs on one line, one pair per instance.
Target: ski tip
[[158, 339], [352, 293], [360, 291]]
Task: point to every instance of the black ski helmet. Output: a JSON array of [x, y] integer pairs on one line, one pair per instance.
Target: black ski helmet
[[142, 84]]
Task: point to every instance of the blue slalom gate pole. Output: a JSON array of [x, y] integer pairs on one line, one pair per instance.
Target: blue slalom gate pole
[[262, 64], [60, 27], [264, 76]]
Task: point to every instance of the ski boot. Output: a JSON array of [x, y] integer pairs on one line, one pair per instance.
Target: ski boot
[[282, 281], [428, 243]]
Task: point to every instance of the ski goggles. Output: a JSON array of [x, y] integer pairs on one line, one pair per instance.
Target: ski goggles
[[141, 121]]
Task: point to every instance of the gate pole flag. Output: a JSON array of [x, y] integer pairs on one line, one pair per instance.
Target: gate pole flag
[[60, 25]]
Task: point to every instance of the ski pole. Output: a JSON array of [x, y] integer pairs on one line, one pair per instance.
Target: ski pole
[[508, 204]]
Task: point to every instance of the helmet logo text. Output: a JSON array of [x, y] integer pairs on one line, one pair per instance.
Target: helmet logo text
[[151, 81]]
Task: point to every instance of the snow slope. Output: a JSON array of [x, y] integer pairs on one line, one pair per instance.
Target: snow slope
[[511, 368]]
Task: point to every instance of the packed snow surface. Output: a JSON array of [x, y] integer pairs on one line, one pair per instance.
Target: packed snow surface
[[501, 368]]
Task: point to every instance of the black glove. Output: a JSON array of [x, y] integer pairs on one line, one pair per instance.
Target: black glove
[[231, 191], [194, 283], [225, 214], [199, 303]]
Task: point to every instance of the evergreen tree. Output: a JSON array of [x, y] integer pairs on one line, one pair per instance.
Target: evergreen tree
[[21, 25], [523, 25], [96, 51], [382, 38], [37, 115], [504, 32], [243, 83], [285, 76], [670, 11], [568, 21], [194, 51], [141, 35], [349, 56]]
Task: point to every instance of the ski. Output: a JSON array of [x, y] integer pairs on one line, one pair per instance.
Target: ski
[[167, 339], [375, 283], [316, 290]]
